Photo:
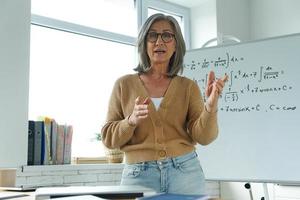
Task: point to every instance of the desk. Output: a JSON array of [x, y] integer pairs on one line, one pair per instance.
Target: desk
[[31, 196]]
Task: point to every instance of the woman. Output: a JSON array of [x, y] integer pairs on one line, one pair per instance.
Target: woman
[[157, 117]]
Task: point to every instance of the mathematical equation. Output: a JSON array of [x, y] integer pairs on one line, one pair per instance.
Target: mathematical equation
[[264, 80], [264, 73], [226, 61], [234, 96], [257, 108]]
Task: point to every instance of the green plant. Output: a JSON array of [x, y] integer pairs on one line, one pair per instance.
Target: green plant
[[97, 137]]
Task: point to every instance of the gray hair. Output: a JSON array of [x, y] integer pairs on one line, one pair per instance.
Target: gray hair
[[176, 61]]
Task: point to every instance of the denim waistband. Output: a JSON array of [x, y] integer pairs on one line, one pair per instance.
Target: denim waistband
[[173, 161]]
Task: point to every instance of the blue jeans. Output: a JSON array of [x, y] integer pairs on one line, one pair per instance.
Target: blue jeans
[[178, 175]]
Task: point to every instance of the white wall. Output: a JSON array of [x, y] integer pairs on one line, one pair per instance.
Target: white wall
[[203, 23], [271, 18], [233, 18], [14, 80], [245, 19]]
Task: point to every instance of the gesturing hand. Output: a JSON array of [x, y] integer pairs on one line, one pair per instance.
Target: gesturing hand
[[213, 89], [140, 111]]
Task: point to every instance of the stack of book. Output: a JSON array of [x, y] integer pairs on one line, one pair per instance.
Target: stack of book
[[49, 143]]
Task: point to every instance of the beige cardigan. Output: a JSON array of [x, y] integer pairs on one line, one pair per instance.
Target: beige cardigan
[[180, 122]]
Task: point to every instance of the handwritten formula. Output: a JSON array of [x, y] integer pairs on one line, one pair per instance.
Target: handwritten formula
[[261, 82]]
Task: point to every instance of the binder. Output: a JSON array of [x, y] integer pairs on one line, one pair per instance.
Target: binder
[[38, 146], [30, 153]]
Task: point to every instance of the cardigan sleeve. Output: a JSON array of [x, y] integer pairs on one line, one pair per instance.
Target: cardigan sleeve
[[116, 131], [202, 125]]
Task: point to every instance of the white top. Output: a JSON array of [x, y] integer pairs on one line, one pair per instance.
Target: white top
[[156, 101]]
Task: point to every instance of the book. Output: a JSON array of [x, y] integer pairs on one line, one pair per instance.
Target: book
[[38, 146], [46, 141], [53, 141], [168, 196], [60, 143], [30, 153], [68, 144], [89, 160]]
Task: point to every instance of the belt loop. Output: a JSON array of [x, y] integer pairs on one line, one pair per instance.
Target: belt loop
[[176, 165], [196, 153], [143, 166]]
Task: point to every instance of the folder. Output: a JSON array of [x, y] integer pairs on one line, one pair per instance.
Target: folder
[[30, 153], [38, 146]]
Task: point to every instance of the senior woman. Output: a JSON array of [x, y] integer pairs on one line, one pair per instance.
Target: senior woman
[[157, 117]]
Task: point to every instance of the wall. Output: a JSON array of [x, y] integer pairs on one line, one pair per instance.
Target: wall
[[203, 23], [271, 18], [14, 81], [245, 19], [233, 18]]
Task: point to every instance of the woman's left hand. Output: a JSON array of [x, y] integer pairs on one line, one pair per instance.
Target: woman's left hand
[[213, 90]]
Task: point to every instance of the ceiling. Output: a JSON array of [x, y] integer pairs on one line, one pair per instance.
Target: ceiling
[[188, 3]]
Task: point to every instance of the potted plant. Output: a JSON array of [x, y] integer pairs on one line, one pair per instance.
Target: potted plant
[[113, 155]]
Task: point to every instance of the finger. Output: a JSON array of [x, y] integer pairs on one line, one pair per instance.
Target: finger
[[211, 77], [225, 78], [146, 101], [208, 90], [220, 82], [142, 112], [210, 80], [137, 100], [219, 88], [143, 117]]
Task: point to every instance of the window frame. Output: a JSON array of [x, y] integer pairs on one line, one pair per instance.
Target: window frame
[[81, 30], [168, 7]]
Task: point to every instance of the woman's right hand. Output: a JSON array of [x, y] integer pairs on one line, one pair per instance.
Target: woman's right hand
[[140, 111]]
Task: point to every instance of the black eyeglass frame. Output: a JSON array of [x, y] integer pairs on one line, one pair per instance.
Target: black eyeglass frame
[[161, 36]]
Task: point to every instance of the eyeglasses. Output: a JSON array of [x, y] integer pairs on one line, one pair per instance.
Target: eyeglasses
[[165, 36]]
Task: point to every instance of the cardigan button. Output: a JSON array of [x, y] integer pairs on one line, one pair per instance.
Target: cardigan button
[[162, 153]]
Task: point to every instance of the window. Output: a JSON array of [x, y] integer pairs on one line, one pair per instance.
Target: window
[[179, 19], [180, 13], [117, 16], [76, 56], [72, 78]]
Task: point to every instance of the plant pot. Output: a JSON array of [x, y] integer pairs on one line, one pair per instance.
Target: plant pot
[[114, 155]]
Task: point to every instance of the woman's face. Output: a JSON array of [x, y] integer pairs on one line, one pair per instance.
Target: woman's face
[[160, 50]]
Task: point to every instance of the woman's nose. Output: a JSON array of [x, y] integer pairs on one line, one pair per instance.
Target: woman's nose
[[159, 40]]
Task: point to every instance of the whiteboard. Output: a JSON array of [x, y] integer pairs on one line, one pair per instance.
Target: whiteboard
[[258, 112]]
